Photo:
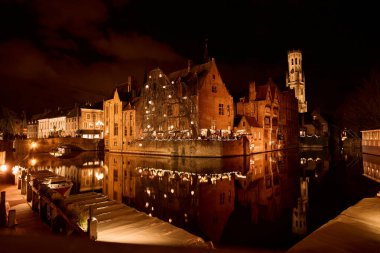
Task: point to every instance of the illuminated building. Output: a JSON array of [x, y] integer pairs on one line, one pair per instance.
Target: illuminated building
[[295, 78]]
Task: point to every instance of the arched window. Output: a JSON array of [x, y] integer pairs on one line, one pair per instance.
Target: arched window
[[292, 62], [296, 60]]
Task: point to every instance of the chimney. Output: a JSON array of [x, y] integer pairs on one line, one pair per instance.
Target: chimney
[[129, 84], [189, 65]]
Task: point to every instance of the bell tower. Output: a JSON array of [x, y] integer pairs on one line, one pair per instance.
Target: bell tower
[[295, 78]]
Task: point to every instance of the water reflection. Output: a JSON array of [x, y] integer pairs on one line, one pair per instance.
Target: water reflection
[[83, 170], [267, 200], [205, 196], [371, 167]]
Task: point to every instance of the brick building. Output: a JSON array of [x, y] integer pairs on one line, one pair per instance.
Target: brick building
[[187, 103], [263, 105]]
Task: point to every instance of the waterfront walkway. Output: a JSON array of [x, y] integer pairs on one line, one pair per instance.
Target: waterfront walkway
[[28, 222], [357, 229]]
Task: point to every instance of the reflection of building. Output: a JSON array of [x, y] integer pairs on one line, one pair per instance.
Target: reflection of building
[[295, 78], [85, 170], [190, 200], [371, 141], [300, 211], [260, 190], [371, 167]]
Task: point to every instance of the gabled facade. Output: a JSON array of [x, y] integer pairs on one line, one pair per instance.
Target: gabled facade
[[263, 104], [188, 103], [247, 125], [118, 123]]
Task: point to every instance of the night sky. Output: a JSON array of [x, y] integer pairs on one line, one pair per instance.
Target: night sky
[[56, 53]]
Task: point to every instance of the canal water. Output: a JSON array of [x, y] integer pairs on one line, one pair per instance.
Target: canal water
[[269, 200]]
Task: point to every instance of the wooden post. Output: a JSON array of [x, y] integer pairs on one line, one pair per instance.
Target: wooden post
[[28, 189], [12, 218], [93, 229], [23, 182], [91, 214], [3, 212]]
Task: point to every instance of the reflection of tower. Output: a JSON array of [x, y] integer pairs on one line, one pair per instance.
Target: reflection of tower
[[300, 211], [295, 78]]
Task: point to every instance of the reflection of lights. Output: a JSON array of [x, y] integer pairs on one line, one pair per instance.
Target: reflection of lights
[[172, 190], [192, 192], [185, 214], [170, 220], [148, 191], [3, 168], [146, 204], [33, 145], [99, 176], [152, 208], [33, 161]]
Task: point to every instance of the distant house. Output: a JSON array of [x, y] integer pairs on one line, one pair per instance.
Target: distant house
[[32, 125], [52, 124], [314, 125], [314, 130]]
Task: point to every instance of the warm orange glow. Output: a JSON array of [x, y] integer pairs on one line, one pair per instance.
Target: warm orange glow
[[33, 145]]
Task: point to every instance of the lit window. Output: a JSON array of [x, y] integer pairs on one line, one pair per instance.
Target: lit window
[[115, 129], [213, 89]]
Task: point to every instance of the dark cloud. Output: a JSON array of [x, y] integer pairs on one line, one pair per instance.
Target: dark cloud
[[75, 56]]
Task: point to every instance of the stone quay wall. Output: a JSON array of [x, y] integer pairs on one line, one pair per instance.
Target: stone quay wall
[[190, 148]]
